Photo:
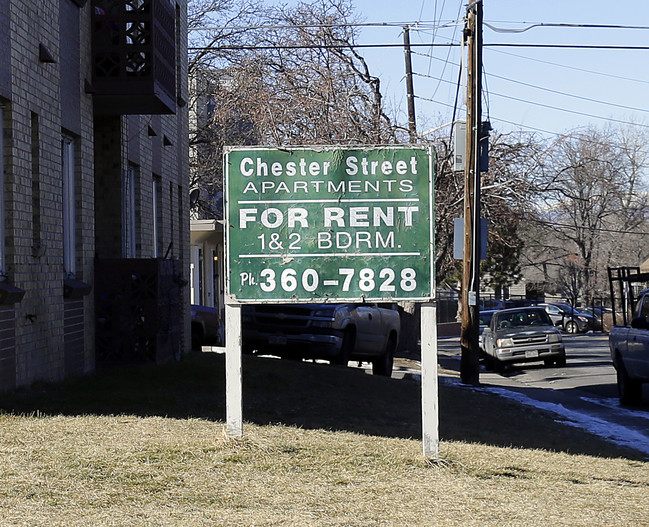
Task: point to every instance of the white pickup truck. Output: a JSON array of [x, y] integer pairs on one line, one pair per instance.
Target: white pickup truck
[[335, 332], [630, 352]]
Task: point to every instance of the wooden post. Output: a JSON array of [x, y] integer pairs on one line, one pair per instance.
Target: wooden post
[[233, 376], [429, 383], [470, 359], [412, 125]]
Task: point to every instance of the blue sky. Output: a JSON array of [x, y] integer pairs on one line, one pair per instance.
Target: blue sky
[[531, 89]]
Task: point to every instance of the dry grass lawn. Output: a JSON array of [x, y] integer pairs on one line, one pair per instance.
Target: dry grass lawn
[[146, 447]]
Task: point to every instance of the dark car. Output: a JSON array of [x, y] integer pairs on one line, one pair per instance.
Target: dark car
[[597, 312], [568, 318]]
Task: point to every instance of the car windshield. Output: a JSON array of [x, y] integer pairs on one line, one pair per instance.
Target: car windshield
[[522, 318], [485, 319]]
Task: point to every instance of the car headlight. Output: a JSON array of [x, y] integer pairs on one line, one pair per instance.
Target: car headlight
[[554, 337], [505, 343], [326, 312], [322, 323]]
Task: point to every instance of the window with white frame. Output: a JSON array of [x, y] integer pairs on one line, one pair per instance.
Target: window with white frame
[[69, 206], [128, 216]]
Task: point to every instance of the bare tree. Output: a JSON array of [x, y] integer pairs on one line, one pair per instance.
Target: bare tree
[[506, 188], [278, 76], [589, 192]]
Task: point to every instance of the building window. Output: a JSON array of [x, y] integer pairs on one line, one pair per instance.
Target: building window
[[181, 247], [172, 227], [2, 197], [69, 206], [128, 210], [37, 246], [157, 216]]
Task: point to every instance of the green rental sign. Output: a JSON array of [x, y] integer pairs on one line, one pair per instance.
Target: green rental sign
[[308, 224]]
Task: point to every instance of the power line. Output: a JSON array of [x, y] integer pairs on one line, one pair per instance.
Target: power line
[[566, 46], [574, 112], [594, 229], [550, 63], [542, 105], [572, 68], [413, 25], [579, 97], [252, 47], [560, 25]]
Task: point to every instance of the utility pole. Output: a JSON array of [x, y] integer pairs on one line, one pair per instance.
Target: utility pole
[[412, 125], [470, 359]]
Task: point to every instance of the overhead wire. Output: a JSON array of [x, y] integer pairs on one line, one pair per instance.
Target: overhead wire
[[542, 105], [435, 25], [550, 63], [572, 95], [571, 67]]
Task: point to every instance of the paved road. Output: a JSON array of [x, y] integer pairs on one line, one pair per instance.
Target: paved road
[[585, 387]]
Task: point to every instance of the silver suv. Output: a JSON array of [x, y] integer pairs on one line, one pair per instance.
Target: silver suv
[[524, 334]]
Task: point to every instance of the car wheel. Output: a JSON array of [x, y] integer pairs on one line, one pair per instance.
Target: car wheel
[[559, 362], [499, 366], [630, 390], [347, 348], [197, 339], [489, 362], [383, 365], [571, 327]]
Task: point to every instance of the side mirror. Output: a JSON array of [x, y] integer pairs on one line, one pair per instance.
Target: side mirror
[[639, 323]]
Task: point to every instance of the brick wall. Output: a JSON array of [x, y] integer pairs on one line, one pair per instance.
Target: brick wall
[[46, 336]]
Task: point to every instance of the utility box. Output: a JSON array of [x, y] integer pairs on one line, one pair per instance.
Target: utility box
[[459, 146]]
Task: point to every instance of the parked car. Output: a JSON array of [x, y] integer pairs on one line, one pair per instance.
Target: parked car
[[484, 321], [335, 332], [492, 304], [568, 318], [630, 352], [523, 335], [206, 327], [597, 312]]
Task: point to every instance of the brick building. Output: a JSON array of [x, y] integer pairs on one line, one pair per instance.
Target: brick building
[[94, 237]]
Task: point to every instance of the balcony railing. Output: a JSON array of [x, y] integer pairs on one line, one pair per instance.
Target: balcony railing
[[134, 56]]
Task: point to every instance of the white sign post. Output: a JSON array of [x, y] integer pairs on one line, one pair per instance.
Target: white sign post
[[233, 376], [429, 389]]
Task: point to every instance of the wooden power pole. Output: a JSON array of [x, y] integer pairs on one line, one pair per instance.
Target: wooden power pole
[[470, 359], [412, 125]]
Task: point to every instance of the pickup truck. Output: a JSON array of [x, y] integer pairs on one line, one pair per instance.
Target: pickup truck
[[522, 334], [335, 332], [630, 352]]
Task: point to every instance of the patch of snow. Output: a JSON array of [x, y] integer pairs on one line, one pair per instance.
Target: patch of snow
[[613, 432]]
